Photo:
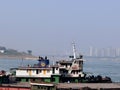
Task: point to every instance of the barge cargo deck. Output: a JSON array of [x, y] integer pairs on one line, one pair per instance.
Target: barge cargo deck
[[88, 86], [64, 86]]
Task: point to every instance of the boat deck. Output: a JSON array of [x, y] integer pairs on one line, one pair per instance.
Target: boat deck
[[69, 86], [24, 84], [91, 86]]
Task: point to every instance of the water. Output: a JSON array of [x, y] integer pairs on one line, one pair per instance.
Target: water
[[6, 64], [104, 67]]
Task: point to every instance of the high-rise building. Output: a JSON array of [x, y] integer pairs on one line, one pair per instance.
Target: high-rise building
[[91, 51]]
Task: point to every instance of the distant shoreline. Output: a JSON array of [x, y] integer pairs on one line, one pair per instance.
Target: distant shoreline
[[25, 57]]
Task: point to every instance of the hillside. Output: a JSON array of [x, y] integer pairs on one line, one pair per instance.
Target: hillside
[[14, 54]]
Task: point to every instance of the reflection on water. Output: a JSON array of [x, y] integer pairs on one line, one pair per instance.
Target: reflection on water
[[95, 66]]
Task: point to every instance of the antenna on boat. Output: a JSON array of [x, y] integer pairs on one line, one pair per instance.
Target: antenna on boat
[[53, 61], [21, 64], [74, 50]]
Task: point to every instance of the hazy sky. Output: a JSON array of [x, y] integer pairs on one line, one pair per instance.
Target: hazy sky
[[50, 26]]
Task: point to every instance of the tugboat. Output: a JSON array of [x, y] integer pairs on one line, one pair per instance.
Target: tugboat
[[62, 71]]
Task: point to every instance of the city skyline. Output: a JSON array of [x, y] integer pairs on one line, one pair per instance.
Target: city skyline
[[104, 52]]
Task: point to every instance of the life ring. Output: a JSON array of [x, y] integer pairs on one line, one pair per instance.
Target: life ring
[[43, 64]]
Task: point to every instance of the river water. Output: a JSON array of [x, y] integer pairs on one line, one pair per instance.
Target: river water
[[95, 66], [104, 67]]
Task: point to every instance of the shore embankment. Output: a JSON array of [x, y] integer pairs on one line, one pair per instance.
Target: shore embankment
[[14, 57]]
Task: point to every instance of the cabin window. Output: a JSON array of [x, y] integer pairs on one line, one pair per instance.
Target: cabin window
[[53, 70], [44, 88], [37, 71], [40, 71], [27, 71], [33, 79], [66, 66], [27, 79], [39, 87], [56, 68]]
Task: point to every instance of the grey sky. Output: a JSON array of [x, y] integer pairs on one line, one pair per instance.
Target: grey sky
[[50, 26]]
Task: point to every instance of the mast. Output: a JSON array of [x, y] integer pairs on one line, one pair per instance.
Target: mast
[[74, 50]]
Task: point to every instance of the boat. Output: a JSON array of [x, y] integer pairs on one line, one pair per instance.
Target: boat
[[44, 76], [61, 72]]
